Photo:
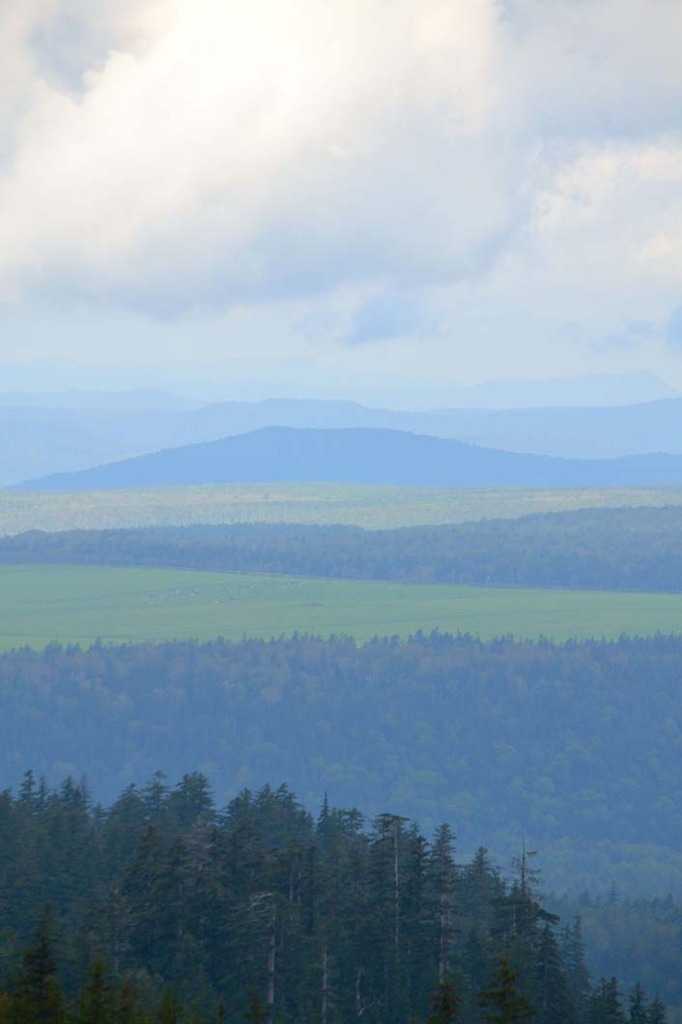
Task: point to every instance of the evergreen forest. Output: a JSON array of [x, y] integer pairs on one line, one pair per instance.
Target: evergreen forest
[[560, 742], [162, 908], [606, 549]]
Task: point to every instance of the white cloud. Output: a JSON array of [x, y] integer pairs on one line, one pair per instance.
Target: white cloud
[[605, 232], [261, 147], [485, 157]]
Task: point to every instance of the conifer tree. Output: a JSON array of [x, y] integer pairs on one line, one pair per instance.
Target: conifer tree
[[125, 1003], [39, 997], [477, 962], [96, 1003], [505, 1004], [577, 974], [446, 1003], [549, 989], [657, 1011], [605, 1004], [637, 1012], [442, 877]]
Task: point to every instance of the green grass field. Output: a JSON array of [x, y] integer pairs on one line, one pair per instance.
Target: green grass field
[[39, 604], [371, 507]]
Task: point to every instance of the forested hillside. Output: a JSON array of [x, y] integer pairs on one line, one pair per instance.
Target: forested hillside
[[576, 746], [606, 549], [635, 939], [162, 908]]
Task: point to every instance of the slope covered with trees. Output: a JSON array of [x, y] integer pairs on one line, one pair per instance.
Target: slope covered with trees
[[606, 549], [576, 746], [160, 908]]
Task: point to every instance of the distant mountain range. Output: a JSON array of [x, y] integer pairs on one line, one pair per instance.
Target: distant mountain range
[[36, 441], [594, 389], [358, 455], [196, 384]]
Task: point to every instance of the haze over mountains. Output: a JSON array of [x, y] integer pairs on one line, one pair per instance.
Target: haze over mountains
[[54, 385], [361, 455], [39, 440]]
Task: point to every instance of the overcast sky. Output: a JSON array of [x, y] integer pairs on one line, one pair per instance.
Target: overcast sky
[[320, 192]]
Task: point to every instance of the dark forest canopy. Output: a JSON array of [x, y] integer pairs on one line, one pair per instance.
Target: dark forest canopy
[[575, 745], [164, 908], [607, 549]]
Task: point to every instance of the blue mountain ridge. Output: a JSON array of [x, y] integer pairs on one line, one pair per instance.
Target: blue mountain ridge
[[363, 456]]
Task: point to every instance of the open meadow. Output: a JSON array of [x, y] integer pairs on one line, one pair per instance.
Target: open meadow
[[40, 604], [372, 507]]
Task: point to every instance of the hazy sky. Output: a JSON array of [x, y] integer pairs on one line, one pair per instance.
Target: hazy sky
[[331, 190]]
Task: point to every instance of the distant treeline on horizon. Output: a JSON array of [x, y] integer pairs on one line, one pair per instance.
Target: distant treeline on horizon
[[637, 549]]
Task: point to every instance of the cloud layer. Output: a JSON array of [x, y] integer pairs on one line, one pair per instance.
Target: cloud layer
[[421, 169]]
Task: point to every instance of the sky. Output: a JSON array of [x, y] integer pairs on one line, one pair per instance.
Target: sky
[[324, 195]]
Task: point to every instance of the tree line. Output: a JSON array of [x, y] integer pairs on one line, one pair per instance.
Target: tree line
[[164, 908], [609, 549], [577, 745]]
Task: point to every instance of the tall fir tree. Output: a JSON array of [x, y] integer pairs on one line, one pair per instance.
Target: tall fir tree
[[446, 1003], [96, 1002], [657, 1011], [504, 1002], [606, 1005], [39, 998], [637, 1006]]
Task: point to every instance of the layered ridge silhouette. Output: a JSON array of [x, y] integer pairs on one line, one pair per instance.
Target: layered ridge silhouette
[[362, 456]]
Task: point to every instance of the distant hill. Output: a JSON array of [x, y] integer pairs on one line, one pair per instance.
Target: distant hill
[[627, 549], [37, 441], [277, 454], [570, 432]]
